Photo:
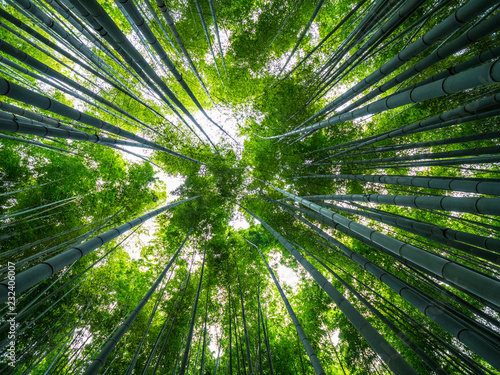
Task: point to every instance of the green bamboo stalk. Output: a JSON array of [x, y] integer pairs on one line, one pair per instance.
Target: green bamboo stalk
[[245, 327], [207, 34], [465, 333], [389, 355], [43, 68], [428, 156], [170, 22], [471, 185], [471, 36], [26, 96], [433, 365], [216, 27], [318, 368], [382, 32], [283, 24], [478, 110], [453, 22], [99, 361], [454, 273], [302, 35], [486, 74], [447, 141], [171, 320], [431, 231], [487, 206], [40, 272], [202, 366], [338, 26], [185, 356], [148, 34]]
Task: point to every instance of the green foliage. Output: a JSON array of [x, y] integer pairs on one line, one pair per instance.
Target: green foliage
[[98, 188]]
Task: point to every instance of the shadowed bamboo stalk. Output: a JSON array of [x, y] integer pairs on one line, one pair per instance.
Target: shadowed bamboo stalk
[[468, 333], [32, 306], [454, 273], [197, 356], [475, 160], [430, 230], [103, 23], [318, 368], [28, 188], [77, 24], [473, 205], [389, 355], [58, 150], [63, 89], [62, 51], [133, 362], [99, 361], [483, 57], [453, 22], [40, 272], [162, 28], [366, 26], [17, 213], [470, 185], [169, 319], [382, 32], [266, 337], [259, 345], [203, 352]]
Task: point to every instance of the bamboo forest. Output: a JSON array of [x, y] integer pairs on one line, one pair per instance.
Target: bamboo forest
[[249, 187]]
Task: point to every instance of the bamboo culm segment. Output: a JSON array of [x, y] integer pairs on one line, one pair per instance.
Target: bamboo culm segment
[[300, 331], [452, 272], [110, 345], [452, 324], [389, 355], [469, 185], [472, 35], [483, 75], [47, 268], [440, 31], [485, 206]]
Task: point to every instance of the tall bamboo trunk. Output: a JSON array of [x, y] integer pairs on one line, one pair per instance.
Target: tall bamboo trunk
[[388, 354], [452, 324], [318, 368], [34, 275], [247, 336], [110, 345], [185, 357]]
